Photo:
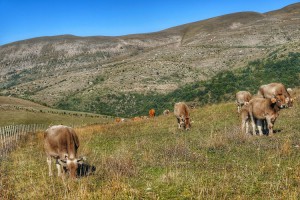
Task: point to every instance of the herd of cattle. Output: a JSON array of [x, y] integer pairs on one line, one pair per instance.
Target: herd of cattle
[[261, 110]]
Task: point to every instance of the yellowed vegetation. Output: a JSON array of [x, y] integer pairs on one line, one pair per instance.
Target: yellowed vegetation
[[152, 159]]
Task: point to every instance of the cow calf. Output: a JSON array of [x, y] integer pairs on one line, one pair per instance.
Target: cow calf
[[261, 109], [242, 98]]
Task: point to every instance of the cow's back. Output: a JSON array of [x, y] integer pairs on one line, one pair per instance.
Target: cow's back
[[61, 140], [181, 109], [243, 96], [272, 89]]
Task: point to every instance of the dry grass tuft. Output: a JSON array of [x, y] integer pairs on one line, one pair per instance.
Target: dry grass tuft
[[120, 164], [286, 148]]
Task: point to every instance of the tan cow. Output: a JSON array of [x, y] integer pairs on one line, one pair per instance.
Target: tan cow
[[261, 109], [242, 98], [182, 114], [61, 143], [166, 112], [277, 90]]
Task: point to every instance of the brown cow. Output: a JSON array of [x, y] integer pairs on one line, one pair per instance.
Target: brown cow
[[182, 114], [242, 98], [277, 90], [118, 120], [151, 113], [61, 143], [261, 109]]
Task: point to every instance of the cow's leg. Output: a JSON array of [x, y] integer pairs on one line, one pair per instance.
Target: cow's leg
[[270, 126], [264, 125], [245, 121], [253, 124], [58, 166], [239, 108], [259, 126], [49, 165], [247, 126], [178, 121]]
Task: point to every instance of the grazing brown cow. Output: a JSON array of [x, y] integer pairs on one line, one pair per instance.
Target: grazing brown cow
[[261, 109], [242, 98], [277, 90], [182, 114], [151, 113], [61, 143]]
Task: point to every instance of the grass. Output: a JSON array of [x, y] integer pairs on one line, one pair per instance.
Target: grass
[[20, 111], [152, 159]]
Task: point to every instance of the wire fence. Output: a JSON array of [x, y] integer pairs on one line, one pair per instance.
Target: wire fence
[[11, 135]]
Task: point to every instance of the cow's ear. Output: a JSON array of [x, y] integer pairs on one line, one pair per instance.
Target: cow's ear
[[273, 100], [80, 160], [62, 162]]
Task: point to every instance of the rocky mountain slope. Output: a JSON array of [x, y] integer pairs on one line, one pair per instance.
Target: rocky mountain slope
[[52, 69]]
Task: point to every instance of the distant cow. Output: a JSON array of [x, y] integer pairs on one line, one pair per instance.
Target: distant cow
[[242, 98], [182, 114], [118, 120], [61, 143], [261, 109], [151, 113], [166, 112], [85, 169], [277, 90], [135, 119]]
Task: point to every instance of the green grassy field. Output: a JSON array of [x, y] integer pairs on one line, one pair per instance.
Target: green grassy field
[[152, 159]]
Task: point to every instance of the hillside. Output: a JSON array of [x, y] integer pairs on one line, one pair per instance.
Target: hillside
[[88, 70], [152, 159], [19, 111]]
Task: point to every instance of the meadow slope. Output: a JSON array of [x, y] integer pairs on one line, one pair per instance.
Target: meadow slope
[[19, 111], [152, 159]]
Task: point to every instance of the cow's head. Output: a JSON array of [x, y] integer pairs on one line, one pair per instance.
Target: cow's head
[[278, 101], [187, 123], [289, 101], [71, 165]]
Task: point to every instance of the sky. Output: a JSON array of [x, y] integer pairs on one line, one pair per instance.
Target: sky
[[24, 19]]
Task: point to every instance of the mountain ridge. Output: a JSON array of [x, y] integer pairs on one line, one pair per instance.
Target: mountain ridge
[[51, 69]]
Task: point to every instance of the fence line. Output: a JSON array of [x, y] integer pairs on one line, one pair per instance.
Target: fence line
[[11, 135]]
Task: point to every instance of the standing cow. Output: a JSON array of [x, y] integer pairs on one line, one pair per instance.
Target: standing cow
[[61, 143], [242, 98], [277, 90], [182, 114], [261, 109], [151, 113]]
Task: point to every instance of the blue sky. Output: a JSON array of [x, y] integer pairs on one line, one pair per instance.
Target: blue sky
[[24, 19]]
